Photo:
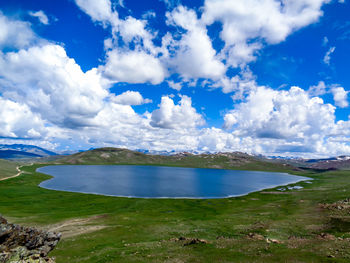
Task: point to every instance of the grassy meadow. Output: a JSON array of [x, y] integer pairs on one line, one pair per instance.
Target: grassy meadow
[[7, 168], [268, 226]]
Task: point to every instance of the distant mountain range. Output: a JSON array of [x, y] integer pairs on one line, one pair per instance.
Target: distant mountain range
[[207, 160], [339, 163], [20, 151]]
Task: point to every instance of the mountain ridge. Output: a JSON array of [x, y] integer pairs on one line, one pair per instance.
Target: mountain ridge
[[234, 160], [20, 151]]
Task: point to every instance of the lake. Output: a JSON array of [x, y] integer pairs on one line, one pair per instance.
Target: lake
[[161, 182]]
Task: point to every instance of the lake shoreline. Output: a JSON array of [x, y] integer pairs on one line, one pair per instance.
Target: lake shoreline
[[265, 187]]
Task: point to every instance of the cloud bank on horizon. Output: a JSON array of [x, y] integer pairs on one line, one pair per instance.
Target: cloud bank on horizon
[[258, 76]]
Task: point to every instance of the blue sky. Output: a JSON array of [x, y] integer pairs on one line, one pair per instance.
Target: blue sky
[[264, 77]]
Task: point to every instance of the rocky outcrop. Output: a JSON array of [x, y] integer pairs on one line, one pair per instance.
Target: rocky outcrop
[[343, 205], [187, 241], [25, 244]]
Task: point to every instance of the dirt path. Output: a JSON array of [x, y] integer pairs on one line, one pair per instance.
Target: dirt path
[[17, 174], [78, 226]]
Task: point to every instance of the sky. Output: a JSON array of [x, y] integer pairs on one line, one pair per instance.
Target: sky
[[267, 77]]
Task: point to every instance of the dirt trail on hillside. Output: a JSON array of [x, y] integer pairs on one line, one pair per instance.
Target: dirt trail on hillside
[[13, 176], [77, 226], [17, 174]]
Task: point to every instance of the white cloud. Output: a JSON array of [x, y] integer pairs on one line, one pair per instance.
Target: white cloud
[[133, 67], [17, 121], [214, 139], [327, 57], [194, 56], [15, 33], [137, 59], [289, 123], [176, 86], [98, 10], [171, 3], [325, 41], [47, 97], [171, 116], [340, 96], [41, 16], [130, 98], [240, 84], [52, 84], [274, 114], [247, 27], [134, 30], [248, 23], [319, 89], [149, 14], [121, 3]]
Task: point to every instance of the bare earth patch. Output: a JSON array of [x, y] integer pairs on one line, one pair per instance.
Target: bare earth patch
[[77, 226]]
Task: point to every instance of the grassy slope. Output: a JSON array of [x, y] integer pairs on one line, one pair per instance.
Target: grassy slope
[[140, 230], [7, 168]]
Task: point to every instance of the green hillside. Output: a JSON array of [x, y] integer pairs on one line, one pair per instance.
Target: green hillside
[[7, 168]]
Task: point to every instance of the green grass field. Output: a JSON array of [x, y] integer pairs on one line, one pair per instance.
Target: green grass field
[[7, 168], [294, 225]]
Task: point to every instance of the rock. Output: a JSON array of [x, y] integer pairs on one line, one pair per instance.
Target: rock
[[190, 241], [274, 241], [327, 236], [194, 241], [340, 205], [255, 236], [24, 244]]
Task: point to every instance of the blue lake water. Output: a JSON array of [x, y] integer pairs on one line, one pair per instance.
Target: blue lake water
[[161, 182]]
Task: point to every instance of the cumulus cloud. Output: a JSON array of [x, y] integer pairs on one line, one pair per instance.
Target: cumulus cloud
[[214, 139], [41, 16], [98, 10], [130, 98], [240, 84], [194, 57], [134, 31], [246, 27], [247, 24], [133, 67], [137, 60], [51, 84], [46, 96], [281, 115], [17, 121], [173, 116], [15, 33], [288, 122], [340, 96]]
